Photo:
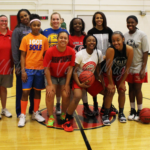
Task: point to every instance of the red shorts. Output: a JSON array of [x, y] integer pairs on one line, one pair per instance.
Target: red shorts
[[93, 90], [116, 79], [135, 78]]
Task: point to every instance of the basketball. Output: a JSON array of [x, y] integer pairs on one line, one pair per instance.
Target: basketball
[[145, 115], [87, 75]]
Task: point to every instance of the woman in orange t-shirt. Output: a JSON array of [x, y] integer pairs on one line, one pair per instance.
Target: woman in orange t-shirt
[[33, 47]]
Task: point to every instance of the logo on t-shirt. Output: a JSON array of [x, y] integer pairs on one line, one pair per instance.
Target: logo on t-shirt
[[35, 45], [78, 48], [131, 42], [90, 66], [52, 39]]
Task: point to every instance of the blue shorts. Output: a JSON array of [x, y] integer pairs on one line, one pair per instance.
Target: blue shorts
[[35, 80]]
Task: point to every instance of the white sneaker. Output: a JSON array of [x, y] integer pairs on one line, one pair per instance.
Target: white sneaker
[[22, 120], [6, 113], [58, 109], [37, 116], [132, 114], [137, 117]]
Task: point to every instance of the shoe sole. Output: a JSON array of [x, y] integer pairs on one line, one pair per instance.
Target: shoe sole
[[123, 121], [88, 114], [37, 120], [66, 130], [106, 124], [6, 116]]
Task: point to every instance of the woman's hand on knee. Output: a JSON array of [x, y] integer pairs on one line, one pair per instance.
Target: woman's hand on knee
[[50, 91], [67, 90], [122, 87]]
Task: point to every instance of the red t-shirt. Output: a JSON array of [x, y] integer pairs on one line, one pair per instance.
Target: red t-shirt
[[6, 60], [76, 42], [58, 62]]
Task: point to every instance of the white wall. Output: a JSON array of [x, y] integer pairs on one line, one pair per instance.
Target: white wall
[[116, 11]]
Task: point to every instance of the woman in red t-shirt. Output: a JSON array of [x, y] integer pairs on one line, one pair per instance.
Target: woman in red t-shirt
[[76, 37], [6, 63], [58, 62]]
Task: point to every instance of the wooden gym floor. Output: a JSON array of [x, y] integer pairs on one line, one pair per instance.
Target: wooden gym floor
[[35, 136]]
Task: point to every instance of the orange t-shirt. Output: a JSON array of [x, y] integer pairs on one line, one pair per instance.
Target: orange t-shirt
[[34, 46]]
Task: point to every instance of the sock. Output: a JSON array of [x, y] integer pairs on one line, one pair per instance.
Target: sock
[[95, 102], [36, 104], [58, 100], [85, 104], [24, 106], [106, 111], [140, 107], [68, 117], [121, 110], [132, 104]]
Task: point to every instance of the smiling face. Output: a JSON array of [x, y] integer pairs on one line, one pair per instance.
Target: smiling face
[[35, 27], [98, 20], [62, 39], [24, 17], [131, 25], [117, 41], [55, 21], [77, 25], [90, 43], [3, 23]]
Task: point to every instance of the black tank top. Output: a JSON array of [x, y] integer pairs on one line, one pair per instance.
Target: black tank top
[[119, 61]]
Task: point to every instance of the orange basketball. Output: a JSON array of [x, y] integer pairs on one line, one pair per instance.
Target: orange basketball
[[145, 115], [87, 76]]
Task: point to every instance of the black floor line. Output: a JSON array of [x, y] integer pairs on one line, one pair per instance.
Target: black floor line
[[82, 132]]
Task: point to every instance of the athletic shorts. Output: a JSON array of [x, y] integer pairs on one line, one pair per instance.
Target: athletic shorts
[[35, 80], [93, 90], [6, 80], [135, 78], [116, 79], [56, 81]]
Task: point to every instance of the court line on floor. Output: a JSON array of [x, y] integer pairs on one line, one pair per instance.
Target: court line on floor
[[82, 132]]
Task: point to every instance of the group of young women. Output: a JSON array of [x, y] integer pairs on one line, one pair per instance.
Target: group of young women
[[59, 58]]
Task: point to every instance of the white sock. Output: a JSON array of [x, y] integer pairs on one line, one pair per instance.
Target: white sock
[[140, 107], [58, 100], [132, 104]]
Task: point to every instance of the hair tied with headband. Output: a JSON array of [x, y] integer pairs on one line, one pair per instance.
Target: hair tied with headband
[[34, 20]]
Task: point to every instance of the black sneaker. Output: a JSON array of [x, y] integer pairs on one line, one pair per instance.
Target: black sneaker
[[112, 108], [132, 114], [87, 111], [106, 120], [122, 117], [58, 109]]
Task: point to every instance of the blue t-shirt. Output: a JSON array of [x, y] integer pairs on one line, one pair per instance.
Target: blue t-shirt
[[52, 34]]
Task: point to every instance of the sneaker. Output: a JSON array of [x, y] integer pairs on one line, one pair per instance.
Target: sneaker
[[58, 109], [51, 121], [137, 116], [105, 120], [122, 117], [132, 114], [37, 116], [62, 116], [67, 126], [111, 112], [22, 120], [6, 113], [87, 111], [112, 108]]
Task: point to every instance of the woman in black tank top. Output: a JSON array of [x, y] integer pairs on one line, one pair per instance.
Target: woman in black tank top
[[118, 61]]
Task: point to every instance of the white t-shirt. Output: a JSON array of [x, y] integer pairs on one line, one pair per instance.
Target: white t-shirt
[[87, 61], [139, 42]]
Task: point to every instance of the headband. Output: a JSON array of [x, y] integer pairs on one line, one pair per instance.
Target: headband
[[35, 20]]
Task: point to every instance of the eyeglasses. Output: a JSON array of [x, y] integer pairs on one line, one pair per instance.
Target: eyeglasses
[[4, 21]]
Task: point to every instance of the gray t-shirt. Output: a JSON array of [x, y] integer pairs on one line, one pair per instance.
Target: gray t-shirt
[[139, 42]]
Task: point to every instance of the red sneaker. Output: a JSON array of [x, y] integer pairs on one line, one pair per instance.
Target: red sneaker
[[67, 126]]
